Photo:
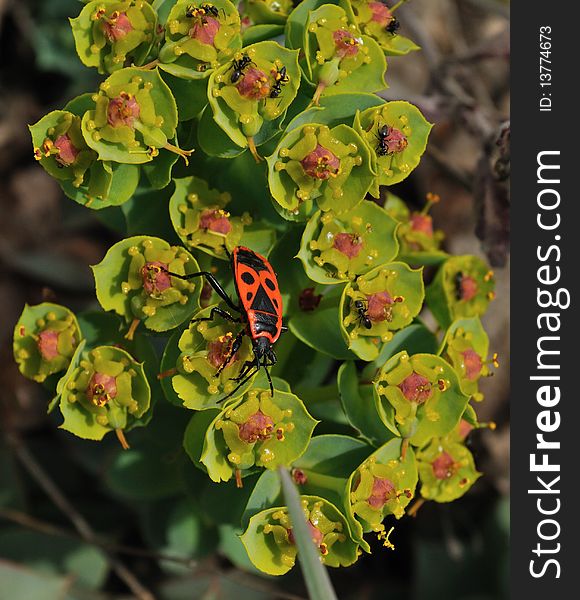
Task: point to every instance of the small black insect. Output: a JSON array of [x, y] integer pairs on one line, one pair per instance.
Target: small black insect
[[238, 66], [280, 79], [383, 137], [360, 306], [201, 11], [393, 26], [458, 280]]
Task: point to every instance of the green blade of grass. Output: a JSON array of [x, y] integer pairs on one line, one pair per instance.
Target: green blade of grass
[[315, 574]]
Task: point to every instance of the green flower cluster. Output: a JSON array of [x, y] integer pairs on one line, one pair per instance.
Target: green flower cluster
[[357, 268]]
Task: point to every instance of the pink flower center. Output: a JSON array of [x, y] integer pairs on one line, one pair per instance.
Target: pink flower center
[[383, 491], [48, 344], [379, 307], [350, 244], [258, 427], [204, 30], [254, 85], [422, 224], [321, 163], [315, 533], [215, 220], [67, 153], [218, 350], [416, 388], [123, 110], [444, 466], [155, 277], [467, 288], [395, 140], [381, 13], [101, 389], [117, 26], [473, 364], [346, 43]]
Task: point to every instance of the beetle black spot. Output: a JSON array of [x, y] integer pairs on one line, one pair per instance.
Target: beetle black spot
[[248, 278], [249, 296], [270, 284], [275, 302]]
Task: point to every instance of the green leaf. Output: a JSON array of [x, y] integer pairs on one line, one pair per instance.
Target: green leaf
[[53, 555], [190, 95], [359, 405], [25, 583], [144, 474], [261, 32], [320, 328], [335, 110]]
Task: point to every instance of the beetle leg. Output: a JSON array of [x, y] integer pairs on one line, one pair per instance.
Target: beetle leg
[[247, 366], [216, 310], [247, 378], [215, 284], [236, 345]]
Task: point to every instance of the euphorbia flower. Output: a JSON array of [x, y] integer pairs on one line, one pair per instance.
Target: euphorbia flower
[[60, 147], [326, 526], [130, 123], [45, 339], [416, 233], [337, 247], [446, 470], [397, 134], [107, 34], [206, 366], [315, 162], [201, 220], [377, 491], [106, 390], [144, 290], [389, 296], [255, 430], [425, 394], [466, 348], [463, 287], [254, 84], [375, 19], [336, 48], [199, 41]]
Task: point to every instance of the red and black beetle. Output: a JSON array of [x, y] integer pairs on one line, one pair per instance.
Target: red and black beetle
[[260, 308]]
